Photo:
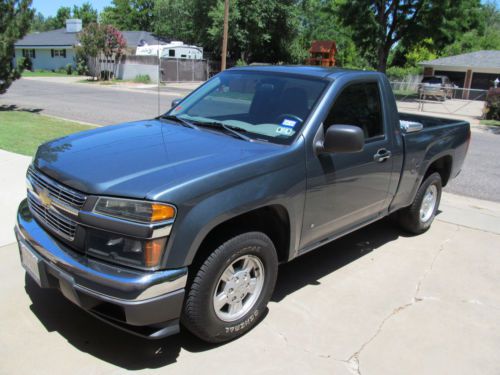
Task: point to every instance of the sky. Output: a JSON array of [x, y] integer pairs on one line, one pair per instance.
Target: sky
[[49, 7]]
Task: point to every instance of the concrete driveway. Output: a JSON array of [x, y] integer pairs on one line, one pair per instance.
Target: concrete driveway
[[374, 302]]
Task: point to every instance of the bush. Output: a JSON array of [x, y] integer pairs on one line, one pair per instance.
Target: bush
[[61, 70], [82, 68], [493, 105], [142, 78], [69, 69], [25, 63], [398, 73]]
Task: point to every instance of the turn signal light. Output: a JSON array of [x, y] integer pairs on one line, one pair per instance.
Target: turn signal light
[[161, 212], [153, 250]]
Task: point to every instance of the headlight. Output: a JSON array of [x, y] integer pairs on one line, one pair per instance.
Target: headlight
[[140, 211], [125, 250]]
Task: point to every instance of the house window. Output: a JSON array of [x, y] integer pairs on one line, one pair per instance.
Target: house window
[[58, 53], [29, 53]]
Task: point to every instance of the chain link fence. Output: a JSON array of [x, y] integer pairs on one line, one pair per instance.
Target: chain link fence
[[447, 100]]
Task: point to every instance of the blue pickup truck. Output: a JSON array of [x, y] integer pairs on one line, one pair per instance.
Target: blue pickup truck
[[183, 219]]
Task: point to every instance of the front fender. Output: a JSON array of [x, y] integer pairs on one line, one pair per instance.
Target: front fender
[[285, 187]]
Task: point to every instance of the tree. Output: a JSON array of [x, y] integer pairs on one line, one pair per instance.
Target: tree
[[15, 19], [103, 45], [258, 30], [380, 25], [130, 14], [59, 21], [319, 20], [174, 19], [86, 13]]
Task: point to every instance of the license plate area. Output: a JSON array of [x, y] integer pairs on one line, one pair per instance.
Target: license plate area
[[30, 262]]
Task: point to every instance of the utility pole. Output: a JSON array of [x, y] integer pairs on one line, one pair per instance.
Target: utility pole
[[224, 36]]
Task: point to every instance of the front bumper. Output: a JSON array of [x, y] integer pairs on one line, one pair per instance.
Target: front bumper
[[145, 303]]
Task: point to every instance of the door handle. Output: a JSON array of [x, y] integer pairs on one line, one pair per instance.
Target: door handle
[[382, 155]]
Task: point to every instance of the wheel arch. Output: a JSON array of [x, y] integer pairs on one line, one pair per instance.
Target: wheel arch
[[273, 220], [442, 165]]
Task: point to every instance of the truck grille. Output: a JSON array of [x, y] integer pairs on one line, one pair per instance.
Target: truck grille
[[53, 204], [56, 222], [56, 190]]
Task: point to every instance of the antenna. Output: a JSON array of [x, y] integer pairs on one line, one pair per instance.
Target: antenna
[[159, 74]]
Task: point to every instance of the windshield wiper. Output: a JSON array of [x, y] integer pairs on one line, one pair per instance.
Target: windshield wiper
[[227, 128], [179, 120]]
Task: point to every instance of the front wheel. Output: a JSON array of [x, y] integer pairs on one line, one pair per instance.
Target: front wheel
[[418, 217], [231, 289]]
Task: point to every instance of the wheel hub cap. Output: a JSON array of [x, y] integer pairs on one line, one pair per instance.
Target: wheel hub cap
[[238, 288], [428, 203]]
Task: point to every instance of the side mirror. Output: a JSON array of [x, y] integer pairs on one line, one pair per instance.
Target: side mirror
[[175, 102], [341, 138]]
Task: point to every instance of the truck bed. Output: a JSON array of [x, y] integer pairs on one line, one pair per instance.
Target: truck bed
[[440, 138]]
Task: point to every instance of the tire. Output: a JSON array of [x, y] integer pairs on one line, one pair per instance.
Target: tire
[[410, 218], [224, 323]]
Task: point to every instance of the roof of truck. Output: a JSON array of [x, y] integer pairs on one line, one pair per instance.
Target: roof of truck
[[304, 70]]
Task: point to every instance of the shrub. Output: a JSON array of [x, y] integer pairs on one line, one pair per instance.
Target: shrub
[[61, 70], [493, 105], [69, 69], [25, 63], [398, 73], [142, 78], [82, 68]]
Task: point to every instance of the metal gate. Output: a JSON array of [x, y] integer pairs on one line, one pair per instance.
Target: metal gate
[[183, 70]]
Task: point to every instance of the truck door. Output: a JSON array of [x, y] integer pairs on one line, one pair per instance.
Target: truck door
[[345, 190]]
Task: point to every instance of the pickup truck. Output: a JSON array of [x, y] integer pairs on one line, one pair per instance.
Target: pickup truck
[[183, 219]]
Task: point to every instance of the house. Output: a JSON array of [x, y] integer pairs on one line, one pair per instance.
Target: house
[[52, 50], [475, 70]]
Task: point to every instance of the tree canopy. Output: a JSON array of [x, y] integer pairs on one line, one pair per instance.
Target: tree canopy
[[15, 19]]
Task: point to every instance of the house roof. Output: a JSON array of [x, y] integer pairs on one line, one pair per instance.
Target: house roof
[[322, 46], [57, 38], [61, 38], [479, 59]]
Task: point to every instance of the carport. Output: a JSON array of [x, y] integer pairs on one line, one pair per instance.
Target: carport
[[475, 70]]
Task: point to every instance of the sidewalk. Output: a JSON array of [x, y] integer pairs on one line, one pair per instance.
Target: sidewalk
[[12, 191]]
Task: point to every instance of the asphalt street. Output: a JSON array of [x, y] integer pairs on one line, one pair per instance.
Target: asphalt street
[[87, 102], [480, 177]]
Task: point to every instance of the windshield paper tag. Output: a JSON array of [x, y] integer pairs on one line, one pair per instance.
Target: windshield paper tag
[[284, 130], [288, 123]]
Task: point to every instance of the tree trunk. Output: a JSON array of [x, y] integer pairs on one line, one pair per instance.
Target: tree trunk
[[383, 54]]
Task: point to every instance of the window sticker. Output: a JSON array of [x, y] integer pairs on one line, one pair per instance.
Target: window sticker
[[288, 123], [284, 130]]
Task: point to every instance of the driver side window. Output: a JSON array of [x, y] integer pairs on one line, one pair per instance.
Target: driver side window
[[358, 104]]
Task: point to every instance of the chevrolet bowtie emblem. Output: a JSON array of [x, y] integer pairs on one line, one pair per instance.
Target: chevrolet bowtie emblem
[[45, 198]]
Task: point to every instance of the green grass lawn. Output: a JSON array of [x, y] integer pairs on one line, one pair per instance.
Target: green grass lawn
[[490, 122], [43, 73], [22, 132]]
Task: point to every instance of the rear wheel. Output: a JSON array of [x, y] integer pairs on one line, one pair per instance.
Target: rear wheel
[[231, 289], [418, 217]]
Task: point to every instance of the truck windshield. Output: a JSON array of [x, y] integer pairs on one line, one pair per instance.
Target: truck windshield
[[262, 106]]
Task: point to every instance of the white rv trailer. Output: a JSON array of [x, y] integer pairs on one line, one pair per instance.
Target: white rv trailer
[[174, 49]]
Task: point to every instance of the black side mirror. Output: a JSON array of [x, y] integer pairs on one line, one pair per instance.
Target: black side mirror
[[341, 138], [175, 102]]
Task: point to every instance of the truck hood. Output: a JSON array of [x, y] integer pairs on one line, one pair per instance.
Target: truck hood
[[132, 159]]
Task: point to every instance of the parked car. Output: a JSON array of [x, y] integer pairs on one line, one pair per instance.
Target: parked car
[[439, 87], [184, 219]]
